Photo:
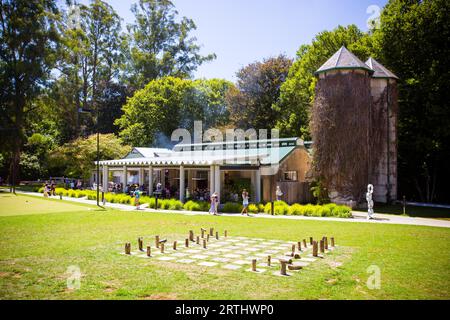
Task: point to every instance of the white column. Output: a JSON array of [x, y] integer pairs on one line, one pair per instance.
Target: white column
[[182, 187], [141, 176], [258, 186], [217, 181], [163, 178], [150, 180], [211, 179], [105, 179], [124, 177]]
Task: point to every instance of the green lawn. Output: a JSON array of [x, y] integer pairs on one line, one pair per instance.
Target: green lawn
[[414, 211], [36, 250]]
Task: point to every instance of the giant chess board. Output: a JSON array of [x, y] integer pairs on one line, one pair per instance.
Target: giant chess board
[[235, 253]]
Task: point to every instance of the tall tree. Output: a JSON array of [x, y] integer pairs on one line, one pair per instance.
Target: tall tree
[[252, 103], [413, 37], [297, 93], [160, 44], [27, 54], [92, 61], [169, 103]]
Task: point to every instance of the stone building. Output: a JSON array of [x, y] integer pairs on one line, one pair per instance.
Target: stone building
[[367, 94]]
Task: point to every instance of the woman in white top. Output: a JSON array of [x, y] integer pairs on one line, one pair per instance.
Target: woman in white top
[[244, 202]]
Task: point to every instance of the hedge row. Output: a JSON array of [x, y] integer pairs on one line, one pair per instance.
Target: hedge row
[[280, 207]]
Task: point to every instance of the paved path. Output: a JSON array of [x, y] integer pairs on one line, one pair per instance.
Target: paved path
[[357, 215]]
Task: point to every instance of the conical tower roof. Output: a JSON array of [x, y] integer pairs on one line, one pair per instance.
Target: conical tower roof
[[380, 70], [343, 60]]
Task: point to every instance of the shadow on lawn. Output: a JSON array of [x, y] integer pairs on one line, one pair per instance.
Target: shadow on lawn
[[413, 211]]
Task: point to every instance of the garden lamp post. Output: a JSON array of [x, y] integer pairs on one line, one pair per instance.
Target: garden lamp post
[[81, 110]]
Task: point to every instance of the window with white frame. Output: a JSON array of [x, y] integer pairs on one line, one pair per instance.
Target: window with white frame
[[290, 176]]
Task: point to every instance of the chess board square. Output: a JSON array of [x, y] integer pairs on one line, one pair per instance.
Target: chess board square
[[166, 258], [199, 256], [232, 255], [179, 254], [308, 259], [242, 262], [219, 259], [207, 264], [262, 255], [193, 251], [231, 267], [187, 261]]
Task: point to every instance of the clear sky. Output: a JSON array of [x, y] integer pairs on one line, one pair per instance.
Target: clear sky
[[243, 31]]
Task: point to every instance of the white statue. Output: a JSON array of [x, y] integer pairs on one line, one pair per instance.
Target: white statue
[[369, 202]]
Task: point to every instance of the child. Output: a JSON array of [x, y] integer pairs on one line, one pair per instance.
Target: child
[[137, 196], [245, 202]]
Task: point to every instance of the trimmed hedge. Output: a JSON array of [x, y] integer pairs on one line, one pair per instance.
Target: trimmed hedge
[[280, 207]]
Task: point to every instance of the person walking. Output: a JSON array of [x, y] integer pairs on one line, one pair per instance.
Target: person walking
[[214, 203], [245, 198]]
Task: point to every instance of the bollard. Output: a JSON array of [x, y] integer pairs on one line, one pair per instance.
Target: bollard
[[293, 249], [269, 260], [326, 243], [299, 246], [283, 264], [127, 248], [140, 244], [174, 245], [203, 232], [332, 242], [254, 265], [198, 240], [322, 246], [204, 244], [186, 243], [225, 233], [162, 247], [191, 235], [310, 241], [149, 251], [211, 232], [315, 249], [304, 244], [207, 237], [217, 235], [157, 241]]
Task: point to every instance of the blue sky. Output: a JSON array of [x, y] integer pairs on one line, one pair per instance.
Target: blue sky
[[244, 31]]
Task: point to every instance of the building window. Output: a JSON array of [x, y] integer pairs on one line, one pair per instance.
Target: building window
[[290, 176]]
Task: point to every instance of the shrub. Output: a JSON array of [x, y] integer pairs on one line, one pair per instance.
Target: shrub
[[196, 206], [295, 210], [279, 208], [232, 207], [175, 204], [342, 212], [260, 207], [253, 208]]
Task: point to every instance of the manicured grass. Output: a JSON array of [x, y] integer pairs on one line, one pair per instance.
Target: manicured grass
[[12, 205], [37, 249]]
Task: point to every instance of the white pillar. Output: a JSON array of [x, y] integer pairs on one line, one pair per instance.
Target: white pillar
[[150, 180], [141, 176], [163, 178], [124, 177], [258, 186], [217, 181], [211, 179], [182, 187], [105, 179]]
